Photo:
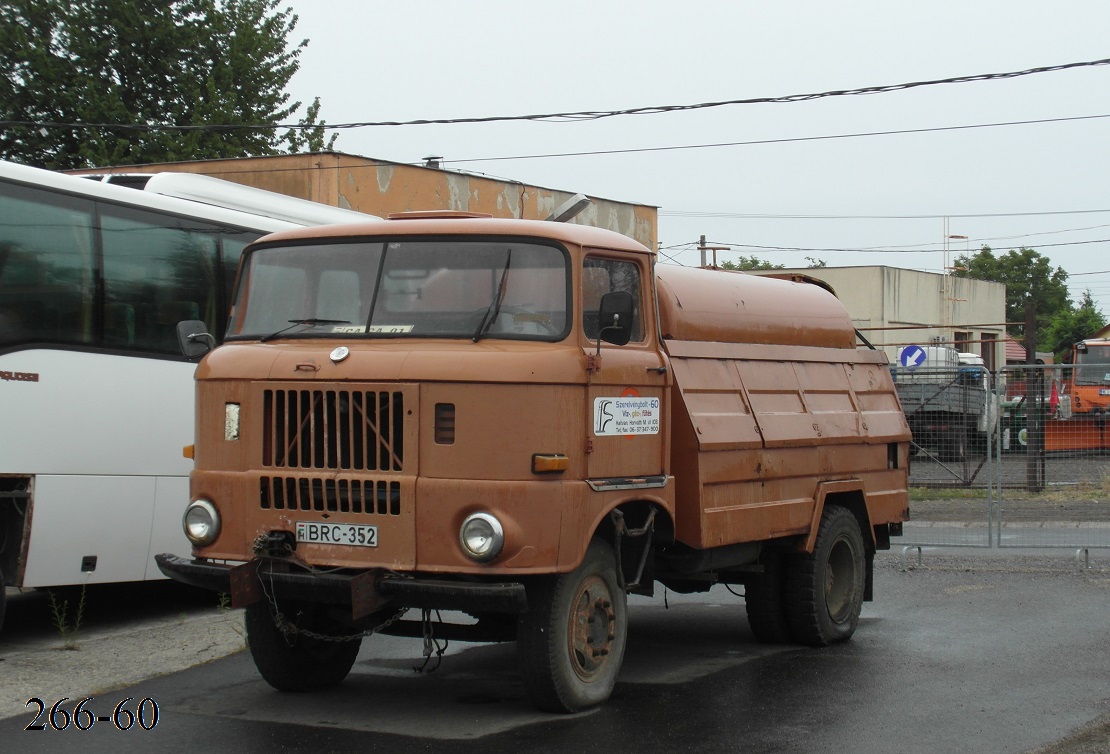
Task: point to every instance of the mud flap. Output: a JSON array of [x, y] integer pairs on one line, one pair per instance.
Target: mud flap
[[631, 563], [245, 586]]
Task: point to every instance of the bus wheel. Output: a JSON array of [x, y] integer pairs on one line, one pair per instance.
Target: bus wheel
[[570, 643], [824, 589], [764, 603], [295, 661]]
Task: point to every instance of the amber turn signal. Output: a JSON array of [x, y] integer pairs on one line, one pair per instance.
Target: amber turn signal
[[549, 463], [187, 451]]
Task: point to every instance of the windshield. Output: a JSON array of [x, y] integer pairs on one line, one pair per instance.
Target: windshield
[[1093, 367], [420, 288]]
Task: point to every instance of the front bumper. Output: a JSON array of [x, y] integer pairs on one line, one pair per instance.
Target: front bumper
[[364, 591]]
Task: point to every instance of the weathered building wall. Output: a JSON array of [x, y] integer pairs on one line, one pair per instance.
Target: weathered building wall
[[378, 187]]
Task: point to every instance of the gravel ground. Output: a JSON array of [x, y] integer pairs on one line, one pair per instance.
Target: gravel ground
[[1016, 508], [172, 632]]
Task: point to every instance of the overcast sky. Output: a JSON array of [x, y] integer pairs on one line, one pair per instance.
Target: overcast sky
[[841, 200]]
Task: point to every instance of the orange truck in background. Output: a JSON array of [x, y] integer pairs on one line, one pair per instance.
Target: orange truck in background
[[1089, 377], [524, 422]]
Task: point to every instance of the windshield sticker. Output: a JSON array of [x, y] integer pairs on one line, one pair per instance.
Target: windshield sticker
[[626, 415], [381, 329]]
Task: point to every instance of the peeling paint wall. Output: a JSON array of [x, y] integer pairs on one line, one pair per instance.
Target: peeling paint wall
[[382, 188]]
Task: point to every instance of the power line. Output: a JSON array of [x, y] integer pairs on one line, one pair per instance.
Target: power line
[[933, 250], [755, 142], [744, 216], [575, 116]]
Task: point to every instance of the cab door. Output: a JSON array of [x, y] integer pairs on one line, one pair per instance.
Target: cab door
[[627, 391]]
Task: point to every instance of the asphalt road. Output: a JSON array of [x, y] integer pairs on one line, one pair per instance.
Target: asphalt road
[[996, 651]]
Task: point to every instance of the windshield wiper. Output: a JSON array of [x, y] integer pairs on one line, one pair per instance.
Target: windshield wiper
[[495, 305], [313, 321]]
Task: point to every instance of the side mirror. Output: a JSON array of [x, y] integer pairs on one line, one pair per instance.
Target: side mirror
[[614, 317], [194, 339]]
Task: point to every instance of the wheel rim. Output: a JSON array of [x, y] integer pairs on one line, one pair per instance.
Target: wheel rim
[[592, 628], [840, 580]]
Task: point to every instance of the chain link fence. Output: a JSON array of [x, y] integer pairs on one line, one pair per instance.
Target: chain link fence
[[1015, 458]]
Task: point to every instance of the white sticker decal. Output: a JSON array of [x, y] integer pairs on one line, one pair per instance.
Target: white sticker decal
[[387, 329], [626, 415]]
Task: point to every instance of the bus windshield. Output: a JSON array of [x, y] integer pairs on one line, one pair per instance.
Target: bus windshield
[[1093, 366], [410, 288]]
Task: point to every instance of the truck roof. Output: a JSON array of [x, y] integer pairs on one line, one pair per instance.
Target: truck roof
[[734, 307], [451, 223]]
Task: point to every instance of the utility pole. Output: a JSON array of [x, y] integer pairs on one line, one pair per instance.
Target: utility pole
[[703, 248], [1035, 413]]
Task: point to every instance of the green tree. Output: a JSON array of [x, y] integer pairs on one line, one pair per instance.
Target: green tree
[[1073, 325], [1028, 276], [133, 66], [750, 263]]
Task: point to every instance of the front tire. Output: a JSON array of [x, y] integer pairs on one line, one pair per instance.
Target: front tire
[[824, 589], [294, 661], [570, 643]]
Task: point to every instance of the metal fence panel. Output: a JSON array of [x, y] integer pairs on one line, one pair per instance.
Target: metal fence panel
[[1052, 477], [1017, 458], [950, 412]]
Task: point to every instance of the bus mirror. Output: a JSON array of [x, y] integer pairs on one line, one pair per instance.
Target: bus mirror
[[193, 339], [615, 318]]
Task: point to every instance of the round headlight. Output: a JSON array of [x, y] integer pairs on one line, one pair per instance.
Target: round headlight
[[481, 536], [201, 523]]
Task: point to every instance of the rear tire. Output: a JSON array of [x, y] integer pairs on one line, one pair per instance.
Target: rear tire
[[570, 643], [296, 662], [3, 598], [824, 589], [764, 603]]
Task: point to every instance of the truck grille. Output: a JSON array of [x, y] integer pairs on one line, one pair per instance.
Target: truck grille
[[369, 496], [333, 429]]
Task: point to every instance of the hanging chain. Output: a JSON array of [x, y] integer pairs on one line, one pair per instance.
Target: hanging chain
[[291, 630], [431, 643]]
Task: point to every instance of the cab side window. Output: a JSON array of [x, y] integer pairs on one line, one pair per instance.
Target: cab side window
[[601, 276]]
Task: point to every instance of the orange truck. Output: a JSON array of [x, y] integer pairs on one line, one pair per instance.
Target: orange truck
[[519, 423], [1089, 377], [1079, 404]]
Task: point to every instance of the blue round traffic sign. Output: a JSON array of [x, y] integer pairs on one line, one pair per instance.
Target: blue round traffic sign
[[912, 357]]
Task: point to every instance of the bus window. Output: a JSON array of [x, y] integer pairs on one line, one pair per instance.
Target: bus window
[[164, 269], [47, 245]]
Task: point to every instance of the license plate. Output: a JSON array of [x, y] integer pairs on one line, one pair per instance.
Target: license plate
[[317, 533], [1104, 391]]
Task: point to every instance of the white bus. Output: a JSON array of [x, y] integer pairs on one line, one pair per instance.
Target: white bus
[[96, 401]]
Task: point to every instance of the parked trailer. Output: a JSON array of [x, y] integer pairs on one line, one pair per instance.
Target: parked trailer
[[525, 421], [948, 403]]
